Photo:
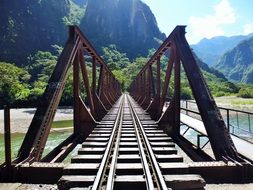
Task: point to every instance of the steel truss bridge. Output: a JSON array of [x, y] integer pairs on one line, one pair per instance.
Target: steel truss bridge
[[128, 141]]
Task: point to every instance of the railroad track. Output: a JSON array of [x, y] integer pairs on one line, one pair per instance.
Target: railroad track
[[128, 151]]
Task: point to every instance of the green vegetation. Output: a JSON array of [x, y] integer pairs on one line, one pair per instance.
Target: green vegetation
[[13, 84], [235, 102], [237, 64], [21, 87], [76, 13], [219, 86], [245, 92]]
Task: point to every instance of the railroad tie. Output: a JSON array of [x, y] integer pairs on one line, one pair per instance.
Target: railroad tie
[[127, 150]]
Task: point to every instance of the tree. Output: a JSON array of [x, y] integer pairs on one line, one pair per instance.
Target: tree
[[41, 65], [13, 84], [115, 59], [131, 71]]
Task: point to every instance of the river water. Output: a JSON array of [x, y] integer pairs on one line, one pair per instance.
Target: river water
[[54, 139]]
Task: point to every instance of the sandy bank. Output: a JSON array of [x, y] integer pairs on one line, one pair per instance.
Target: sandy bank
[[21, 118]]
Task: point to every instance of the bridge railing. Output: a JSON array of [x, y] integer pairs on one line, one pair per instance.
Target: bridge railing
[[238, 122]]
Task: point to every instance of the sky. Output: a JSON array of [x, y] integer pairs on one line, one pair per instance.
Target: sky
[[204, 18]]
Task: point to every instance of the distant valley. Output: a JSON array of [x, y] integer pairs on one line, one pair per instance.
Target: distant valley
[[233, 56]]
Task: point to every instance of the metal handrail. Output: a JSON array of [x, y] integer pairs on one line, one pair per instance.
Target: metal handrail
[[220, 107], [228, 120]]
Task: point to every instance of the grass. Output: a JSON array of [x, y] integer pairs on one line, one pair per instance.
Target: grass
[[235, 101], [62, 124], [245, 101]]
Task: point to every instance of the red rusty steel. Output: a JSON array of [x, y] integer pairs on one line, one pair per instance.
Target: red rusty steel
[[7, 140], [99, 99], [149, 92], [180, 53]]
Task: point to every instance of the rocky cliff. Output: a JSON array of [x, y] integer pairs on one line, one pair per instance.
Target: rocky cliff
[[130, 25], [28, 26]]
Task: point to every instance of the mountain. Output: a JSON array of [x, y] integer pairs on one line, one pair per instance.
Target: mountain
[[237, 64], [210, 50], [29, 26], [208, 69], [130, 25]]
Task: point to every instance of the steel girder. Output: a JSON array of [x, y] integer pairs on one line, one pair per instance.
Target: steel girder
[[99, 99], [180, 54]]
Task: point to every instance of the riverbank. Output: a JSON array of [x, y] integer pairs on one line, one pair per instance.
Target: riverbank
[[233, 102], [21, 118]]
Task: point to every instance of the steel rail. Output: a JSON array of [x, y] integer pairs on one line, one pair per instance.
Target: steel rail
[[154, 164], [110, 178], [148, 175], [102, 168]]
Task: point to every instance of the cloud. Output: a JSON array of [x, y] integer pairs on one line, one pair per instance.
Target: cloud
[[248, 28], [211, 25]]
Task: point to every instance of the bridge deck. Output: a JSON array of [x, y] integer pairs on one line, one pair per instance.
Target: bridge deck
[[128, 151], [243, 147]]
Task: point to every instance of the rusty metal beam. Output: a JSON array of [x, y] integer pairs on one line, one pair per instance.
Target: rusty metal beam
[[38, 131], [60, 152], [218, 134], [167, 78], [99, 87], [33, 145], [86, 81], [7, 137], [154, 109], [177, 96], [94, 74], [39, 173]]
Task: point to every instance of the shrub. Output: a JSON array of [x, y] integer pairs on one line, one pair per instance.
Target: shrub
[[245, 93], [186, 93]]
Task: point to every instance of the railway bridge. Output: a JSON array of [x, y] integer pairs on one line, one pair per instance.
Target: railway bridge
[[132, 140]]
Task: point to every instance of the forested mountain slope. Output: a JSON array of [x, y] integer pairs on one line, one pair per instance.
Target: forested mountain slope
[[237, 64]]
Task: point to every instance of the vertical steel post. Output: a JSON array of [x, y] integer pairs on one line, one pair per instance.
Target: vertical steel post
[[237, 120], [149, 83], [100, 81], [158, 78], [186, 106], [7, 137], [152, 82], [228, 124], [142, 94], [158, 84], [249, 122], [76, 94], [94, 77], [177, 95]]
